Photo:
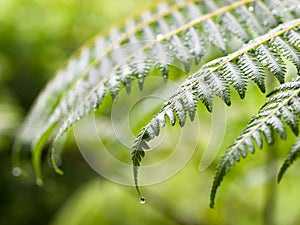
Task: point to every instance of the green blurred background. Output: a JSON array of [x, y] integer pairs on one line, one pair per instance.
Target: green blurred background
[[36, 37]]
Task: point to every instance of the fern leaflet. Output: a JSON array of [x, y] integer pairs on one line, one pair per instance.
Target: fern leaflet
[[279, 108], [291, 157]]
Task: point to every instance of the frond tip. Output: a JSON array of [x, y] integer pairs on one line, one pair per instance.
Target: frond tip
[[293, 155], [282, 107]]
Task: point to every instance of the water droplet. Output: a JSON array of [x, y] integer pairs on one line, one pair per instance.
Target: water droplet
[[250, 8], [159, 37], [16, 171], [142, 200], [171, 47], [266, 22]]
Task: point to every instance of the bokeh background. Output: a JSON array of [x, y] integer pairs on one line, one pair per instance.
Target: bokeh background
[[36, 38]]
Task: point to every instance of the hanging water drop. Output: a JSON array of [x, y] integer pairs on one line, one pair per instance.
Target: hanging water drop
[[142, 200], [141, 83], [250, 8]]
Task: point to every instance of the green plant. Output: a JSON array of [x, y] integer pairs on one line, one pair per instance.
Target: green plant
[[266, 36]]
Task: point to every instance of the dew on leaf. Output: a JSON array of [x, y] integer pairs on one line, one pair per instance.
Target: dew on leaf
[[159, 37]]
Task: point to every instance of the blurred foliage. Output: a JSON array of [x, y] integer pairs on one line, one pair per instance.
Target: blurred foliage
[[36, 37]]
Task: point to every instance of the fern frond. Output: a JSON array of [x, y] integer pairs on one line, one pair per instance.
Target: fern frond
[[234, 69], [279, 109], [172, 32], [291, 157]]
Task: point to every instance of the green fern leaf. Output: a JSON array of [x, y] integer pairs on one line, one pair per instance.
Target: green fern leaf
[[253, 69], [276, 7], [205, 94], [247, 17], [291, 157], [293, 37], [270, 117], [264, 14], [190, 104], [102, 68], [180, 112], [288, 51], [235, 77], [217, 77], [293, 7], [214, 35], [229, 21], [218, 85], [272, 60], [173, 33]]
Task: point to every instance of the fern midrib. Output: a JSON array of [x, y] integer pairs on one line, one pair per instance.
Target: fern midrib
[[274, 111], [170, 34]]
